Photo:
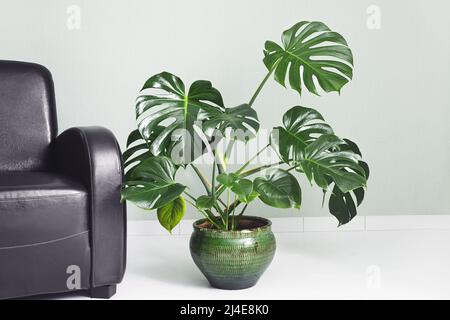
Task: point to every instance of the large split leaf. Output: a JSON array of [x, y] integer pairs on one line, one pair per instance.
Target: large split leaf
[[279, 189], [152, 183], [307, 142], [301, 126], [138, 149], [136, 145], [243, 120], [310, 50], [178, 111], [323, 160], [344, 205]]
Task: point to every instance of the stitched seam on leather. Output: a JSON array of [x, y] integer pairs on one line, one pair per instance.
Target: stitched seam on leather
[[45, 242], [43, 198]]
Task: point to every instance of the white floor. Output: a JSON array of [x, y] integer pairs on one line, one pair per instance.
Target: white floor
[[412, 264]]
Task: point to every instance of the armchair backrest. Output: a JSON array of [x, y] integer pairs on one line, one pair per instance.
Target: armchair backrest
[[27, 116]]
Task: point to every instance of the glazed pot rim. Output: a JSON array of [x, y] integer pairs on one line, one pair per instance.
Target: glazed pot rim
[[267, 226]]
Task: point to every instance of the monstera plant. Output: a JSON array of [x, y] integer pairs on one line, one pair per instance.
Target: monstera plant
[[176, 124]]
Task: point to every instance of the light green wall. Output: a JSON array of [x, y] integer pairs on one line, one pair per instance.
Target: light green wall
[[396, 108]]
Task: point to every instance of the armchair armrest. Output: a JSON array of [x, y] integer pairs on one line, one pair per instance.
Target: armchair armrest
[[91, 155]]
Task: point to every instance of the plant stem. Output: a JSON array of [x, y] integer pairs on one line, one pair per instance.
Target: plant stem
[[258, 169], [221, 213], [220, 164], [293, 167], [240, 214], [243, 210], [220, 200], [190, 196], [219, 210], [202, 178], [232, 219], [235, 204], [193, 204], [213, 178], [204, 181], [251, 159], [213, 222], [261, 85], [228, 150], [204, 214], [228, 208]]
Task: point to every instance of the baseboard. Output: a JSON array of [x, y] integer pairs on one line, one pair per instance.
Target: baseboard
[[312, 224], [148, 228], [318, 224], [409, 222]]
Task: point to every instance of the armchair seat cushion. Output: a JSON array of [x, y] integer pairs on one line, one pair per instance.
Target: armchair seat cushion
[[39, 207]]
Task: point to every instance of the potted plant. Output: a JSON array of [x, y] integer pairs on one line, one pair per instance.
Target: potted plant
[[177, 125]]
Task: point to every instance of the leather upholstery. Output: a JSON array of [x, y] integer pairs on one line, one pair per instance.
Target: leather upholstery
[[27, 116], [59, 196], [43, 268], [30, 200], [92, 156]]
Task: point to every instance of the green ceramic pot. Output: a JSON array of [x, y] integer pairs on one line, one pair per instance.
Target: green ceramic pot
[[233, 259]]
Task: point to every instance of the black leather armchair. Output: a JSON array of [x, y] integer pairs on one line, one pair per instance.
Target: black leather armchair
[[62, 226]]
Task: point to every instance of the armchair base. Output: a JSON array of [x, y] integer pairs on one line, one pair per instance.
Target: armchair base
[[104, 292]]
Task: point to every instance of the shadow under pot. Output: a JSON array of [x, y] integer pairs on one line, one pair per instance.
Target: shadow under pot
[[233, 260]]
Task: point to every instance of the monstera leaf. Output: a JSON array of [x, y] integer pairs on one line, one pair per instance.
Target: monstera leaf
[[301, 127], [243, 120], [308, 143], [178, 111], [322, 161], [279, 189], [310, 50], [137, 149], [152, 183], [135, 144], [342, 205]]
